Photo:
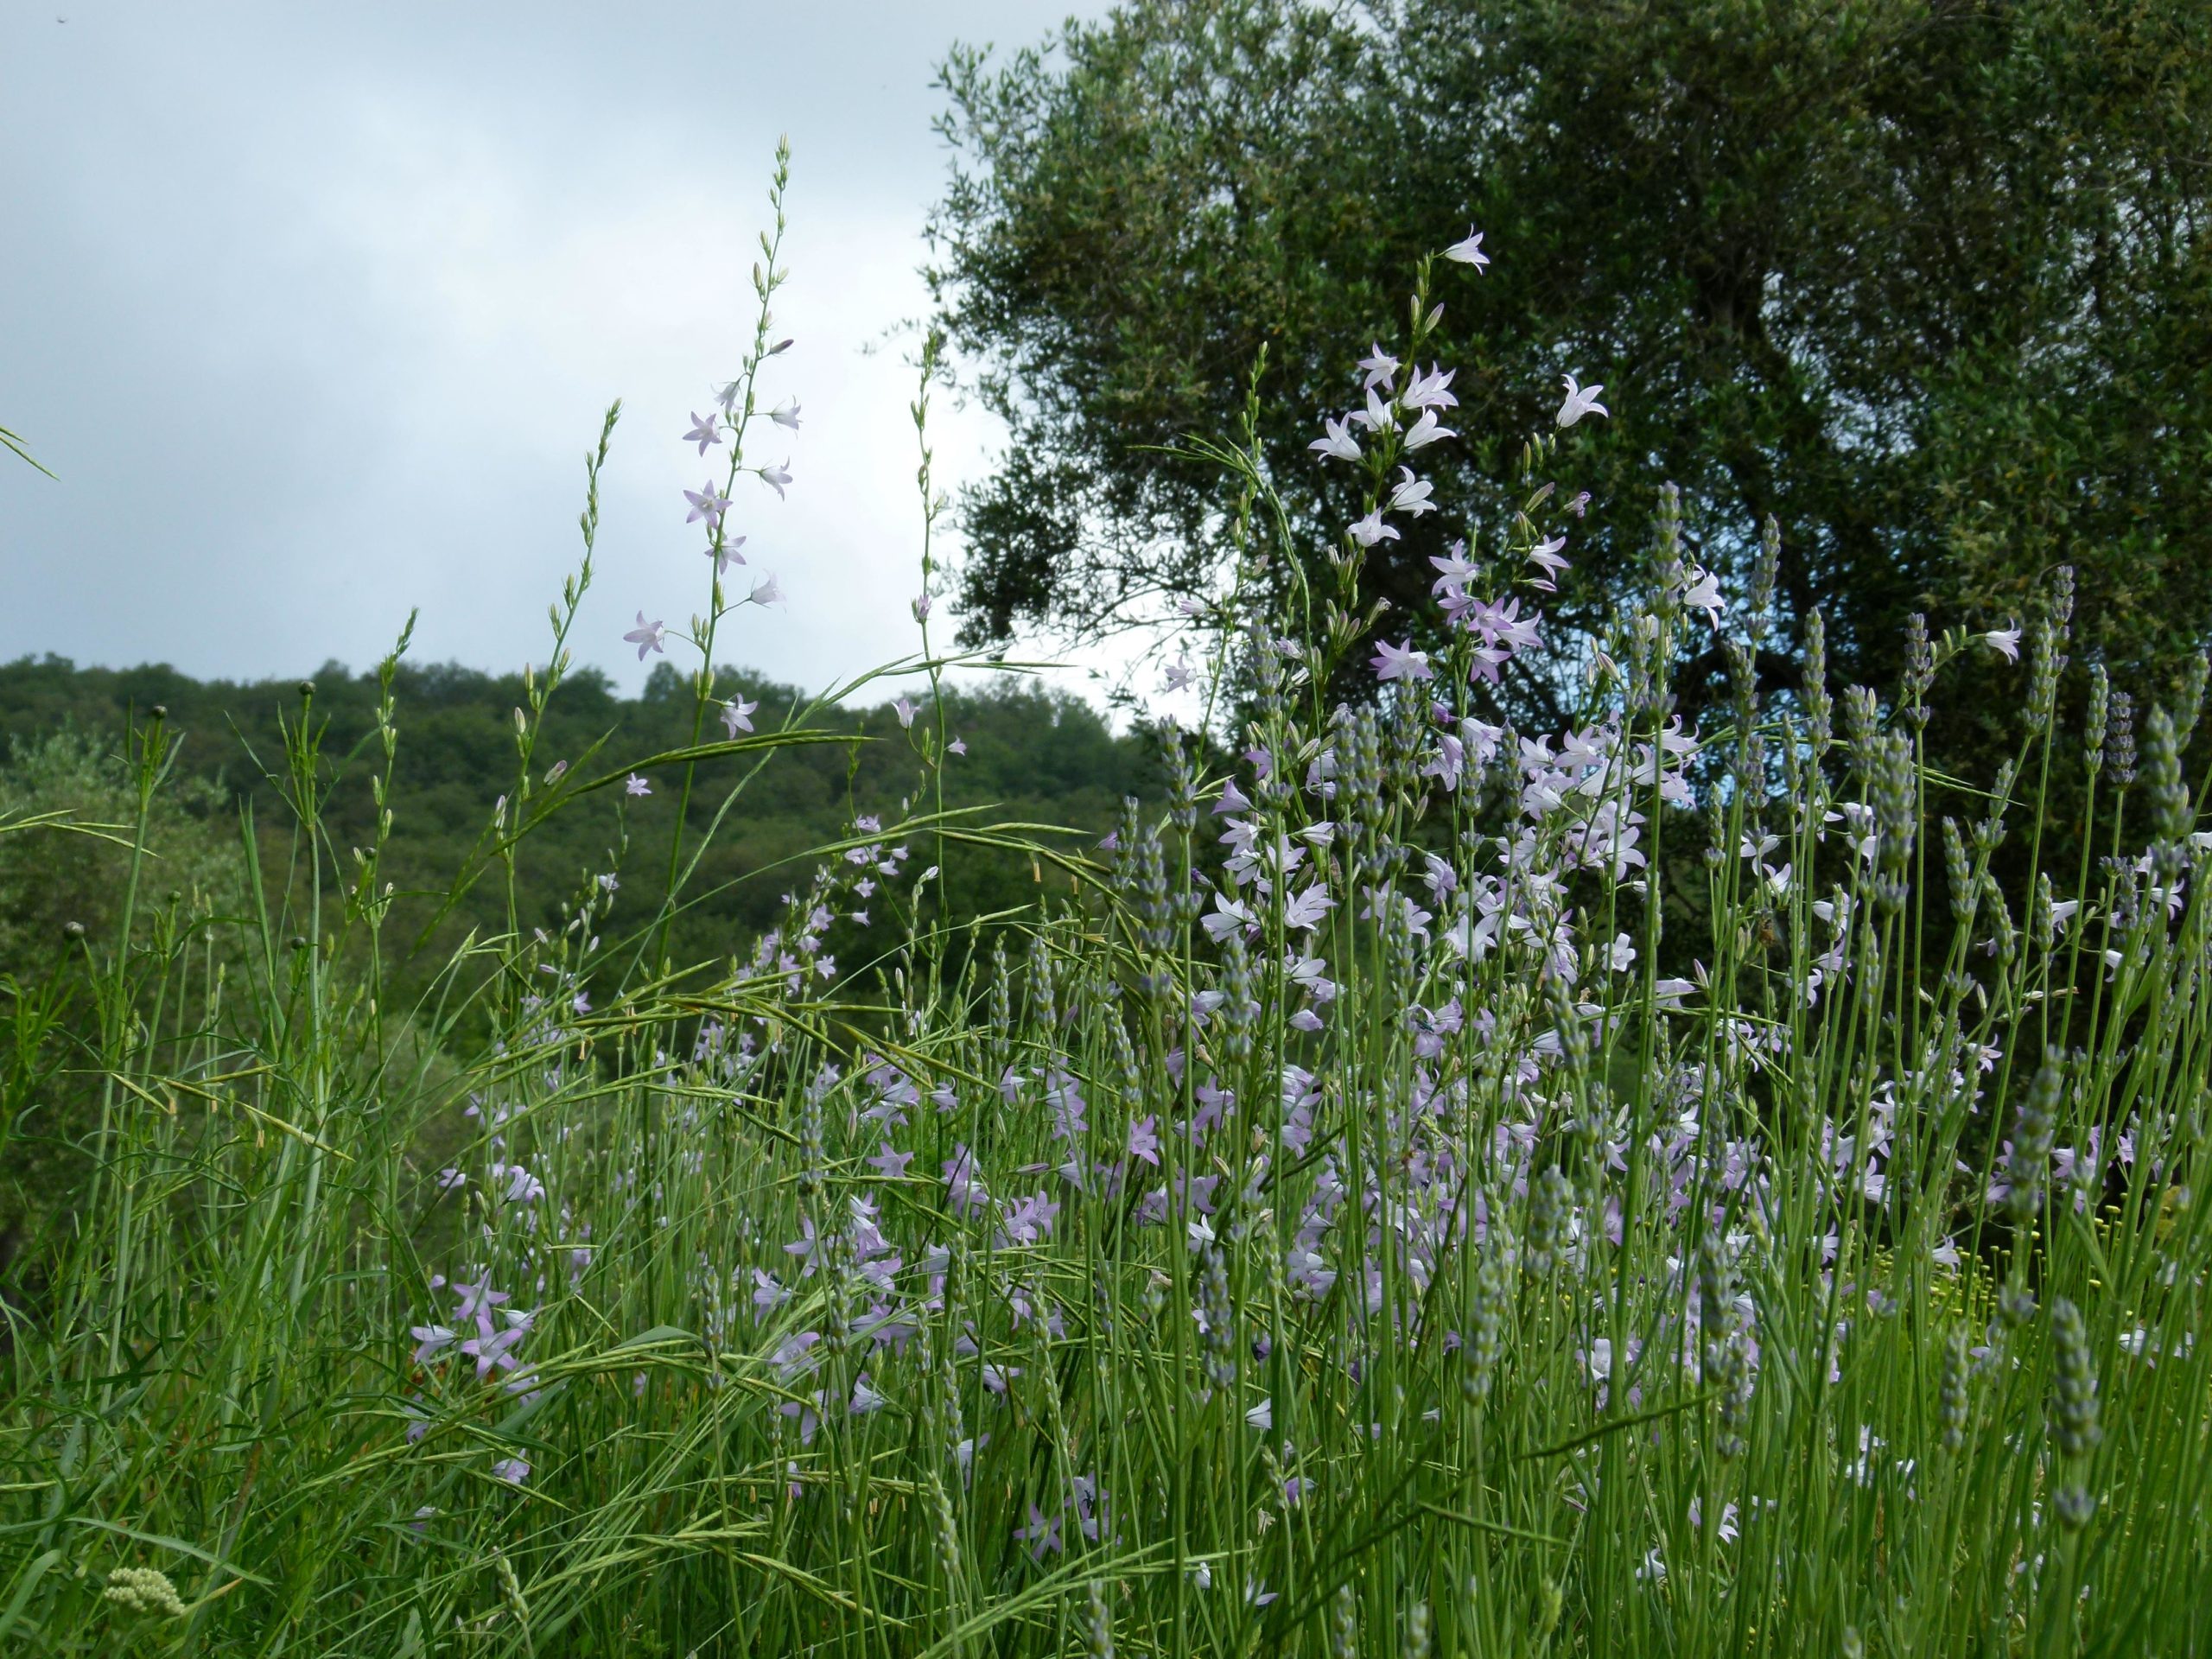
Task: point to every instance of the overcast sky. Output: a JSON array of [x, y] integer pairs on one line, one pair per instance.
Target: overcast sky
[[315, 308]]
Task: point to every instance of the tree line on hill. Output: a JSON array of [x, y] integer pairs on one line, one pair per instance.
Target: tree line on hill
[[220, 819]]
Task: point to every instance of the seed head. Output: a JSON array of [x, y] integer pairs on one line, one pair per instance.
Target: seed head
[[2191, 702], [1819, 709], [1099, 1628], [2171, 819], [2093, 730], [2027, 1167], [1417, 1637], [1953, 1404], [1919, 669], [2075, 1507], [1551, 1209], [2074, 1382], [2123, 739], [1343, 1626], [1958, 871], [1485, 1342]]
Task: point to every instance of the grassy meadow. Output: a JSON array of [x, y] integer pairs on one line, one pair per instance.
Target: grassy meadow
[[1416, 1186]]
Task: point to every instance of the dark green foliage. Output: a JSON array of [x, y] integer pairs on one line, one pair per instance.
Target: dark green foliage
[[62, 890], [1031, 754], [1925, 283]]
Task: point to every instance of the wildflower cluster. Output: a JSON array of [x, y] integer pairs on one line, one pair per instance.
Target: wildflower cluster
[[1434, 1183]]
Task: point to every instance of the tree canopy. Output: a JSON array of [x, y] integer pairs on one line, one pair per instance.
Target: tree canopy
[[1923, 282]]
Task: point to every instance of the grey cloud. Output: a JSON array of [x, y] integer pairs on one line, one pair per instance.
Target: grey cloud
[[315, 310]]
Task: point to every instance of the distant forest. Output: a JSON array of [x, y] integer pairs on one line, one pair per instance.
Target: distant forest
[[1031, 755]]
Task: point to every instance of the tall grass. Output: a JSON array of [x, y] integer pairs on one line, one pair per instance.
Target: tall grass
[[1428, 1189]]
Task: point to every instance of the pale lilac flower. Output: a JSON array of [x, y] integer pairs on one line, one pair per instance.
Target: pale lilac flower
[[726, 554], [1379, 367], [1447, 764], [1029, 1220], [1427, 430], [1546, 554], [2006, 640], [1411, 494], [430, 1341], [785, 414], [1371, 530], [963, 1188], [1144, 1140], [451, 1180], [1470, 252], [1180, 674], [647, 635], [513, 1471], [1305, 911], [889, 1163], [776, 477], [1377, 417], [1456, 570], [1728, 1520], [807, 1247], [737, 716], [490, 1347], [768, 1294], [1579, 401], [636, 785], [1339, 443], [958, 745], [522, 1187], [1229, 915], [708, 503], [728, 396], [921, 607], [1501, 624], [477, 1300], [904, 709], [1400, 662], [1430, 390], [765, 592], [1703, 594], [704, 430], [1041, 1535]]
